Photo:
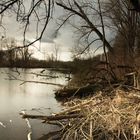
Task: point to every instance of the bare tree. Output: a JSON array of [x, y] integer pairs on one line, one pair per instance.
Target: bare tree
[[89, 20], [125, 20], [25, 12], [84, 10]]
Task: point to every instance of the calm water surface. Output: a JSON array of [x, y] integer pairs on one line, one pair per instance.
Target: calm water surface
[[31, 97]]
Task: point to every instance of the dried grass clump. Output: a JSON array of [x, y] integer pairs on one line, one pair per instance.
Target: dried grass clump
[[103, 118], [100, 117]]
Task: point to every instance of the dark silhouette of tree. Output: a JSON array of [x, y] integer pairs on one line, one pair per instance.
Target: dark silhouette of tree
[[90, 14], [126, 22], [36, 8], [136, 4], [78, 9], [24, 15]]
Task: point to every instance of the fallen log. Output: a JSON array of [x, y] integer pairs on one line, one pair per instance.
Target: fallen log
[[80, 92], [51, 118]]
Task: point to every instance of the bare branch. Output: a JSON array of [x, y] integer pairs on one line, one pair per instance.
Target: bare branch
[[82, 14]]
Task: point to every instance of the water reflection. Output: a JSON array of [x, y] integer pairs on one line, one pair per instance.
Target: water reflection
[[30, 96]]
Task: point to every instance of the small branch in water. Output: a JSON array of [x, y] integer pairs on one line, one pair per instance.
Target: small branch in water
[[29, 135], [44, 75], [38, 82], [2, 125], [11, 77]]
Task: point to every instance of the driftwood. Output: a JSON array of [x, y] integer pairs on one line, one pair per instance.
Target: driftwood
[[12, 77], [64, 119], [32, 81], [81, 92], [39, 82], [43, 75], [50, 118], [71, 112]]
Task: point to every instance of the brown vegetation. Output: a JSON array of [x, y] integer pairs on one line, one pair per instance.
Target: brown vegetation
[[98, 117]]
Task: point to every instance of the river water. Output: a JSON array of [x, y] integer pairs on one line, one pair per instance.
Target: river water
[[33, 98]]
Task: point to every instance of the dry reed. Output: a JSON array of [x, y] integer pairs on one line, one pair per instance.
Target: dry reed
[[104, 118]]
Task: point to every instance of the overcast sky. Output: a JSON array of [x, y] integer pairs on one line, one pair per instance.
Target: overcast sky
[[64, 39]]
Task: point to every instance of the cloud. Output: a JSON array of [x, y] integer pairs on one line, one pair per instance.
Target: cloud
[[65, 38]]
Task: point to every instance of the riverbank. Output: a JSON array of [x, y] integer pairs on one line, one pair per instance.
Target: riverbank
[[98, 117], [97, 104], [35, 63]]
